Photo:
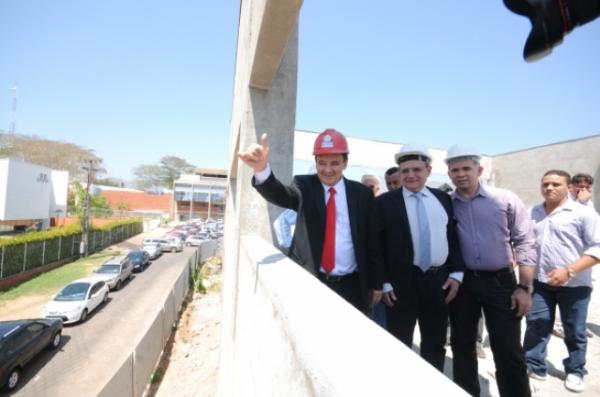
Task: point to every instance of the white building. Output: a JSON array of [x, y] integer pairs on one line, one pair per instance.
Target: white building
[[31, 194], [200, 195]]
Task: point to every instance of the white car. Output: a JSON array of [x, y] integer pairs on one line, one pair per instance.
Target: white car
[[154, 250], [197, 239], [77, 300]]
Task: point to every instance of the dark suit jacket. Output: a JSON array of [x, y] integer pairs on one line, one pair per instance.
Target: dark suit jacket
[[396, 242], [306, 196]]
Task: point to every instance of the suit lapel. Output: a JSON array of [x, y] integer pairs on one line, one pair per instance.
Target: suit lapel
[[319, 203], [352, 201], [404, 215]]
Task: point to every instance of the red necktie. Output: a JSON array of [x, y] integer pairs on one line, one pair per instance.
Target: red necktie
[[328, 257]]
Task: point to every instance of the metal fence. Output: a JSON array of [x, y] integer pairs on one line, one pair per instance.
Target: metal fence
[[20, 258]]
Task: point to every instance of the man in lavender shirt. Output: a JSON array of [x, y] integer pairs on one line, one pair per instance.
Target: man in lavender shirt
[[492, 224], [568, 244]]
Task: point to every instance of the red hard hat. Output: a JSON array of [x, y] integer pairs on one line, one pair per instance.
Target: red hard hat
[[330, 141]]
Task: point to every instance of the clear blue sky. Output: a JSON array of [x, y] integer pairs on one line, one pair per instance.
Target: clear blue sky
[[136, 81]]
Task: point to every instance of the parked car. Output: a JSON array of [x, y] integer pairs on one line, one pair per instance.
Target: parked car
[[78, 299], [22, 340], [197, 239], [154, 250], [167, 243], [115, 272], [181, 234], [174, 244], [139, 259], [161, 242]]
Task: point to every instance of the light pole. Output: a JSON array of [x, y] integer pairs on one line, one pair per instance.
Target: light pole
[[83, 248]]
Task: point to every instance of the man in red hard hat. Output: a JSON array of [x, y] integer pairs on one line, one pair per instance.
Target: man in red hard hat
[[335, 229]]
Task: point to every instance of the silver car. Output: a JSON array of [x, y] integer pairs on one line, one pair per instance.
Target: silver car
[[115, 272]]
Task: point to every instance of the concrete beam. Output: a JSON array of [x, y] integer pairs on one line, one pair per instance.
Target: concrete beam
[[277, 24]]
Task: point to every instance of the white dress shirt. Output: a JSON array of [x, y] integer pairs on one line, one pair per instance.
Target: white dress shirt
[[438, 223], [345, 259]]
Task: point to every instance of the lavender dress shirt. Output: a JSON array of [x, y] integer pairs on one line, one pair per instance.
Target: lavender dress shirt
[[489, 225]]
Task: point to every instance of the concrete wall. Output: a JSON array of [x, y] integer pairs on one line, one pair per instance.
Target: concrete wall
[[121, 384], [295, 337], [267, 48], [147, 352], [522, 171], [132, 377]]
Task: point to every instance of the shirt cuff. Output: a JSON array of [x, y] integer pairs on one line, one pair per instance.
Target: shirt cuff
[[261, 176], [387, 287], [458, 276]]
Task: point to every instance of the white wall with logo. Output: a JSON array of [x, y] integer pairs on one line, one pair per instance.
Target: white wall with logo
[[28, 191]]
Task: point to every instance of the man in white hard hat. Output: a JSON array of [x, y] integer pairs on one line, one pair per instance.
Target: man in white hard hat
[[421, 256], [334, 237], [491, 223]]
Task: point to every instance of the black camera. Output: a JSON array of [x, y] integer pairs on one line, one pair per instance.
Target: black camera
[[551, 20]]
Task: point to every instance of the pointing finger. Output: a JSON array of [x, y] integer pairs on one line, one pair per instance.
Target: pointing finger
[[264, 142]]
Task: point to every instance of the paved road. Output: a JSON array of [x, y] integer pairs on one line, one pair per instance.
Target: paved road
[[90, 352]]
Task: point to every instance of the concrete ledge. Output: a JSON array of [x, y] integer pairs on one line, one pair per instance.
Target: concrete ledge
[[277, 23], [121, 384], [146, 354], [295, 337]]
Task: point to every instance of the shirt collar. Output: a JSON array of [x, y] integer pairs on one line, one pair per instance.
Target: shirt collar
[[408, 193], [568, 205], [481, 191], [340, 186]]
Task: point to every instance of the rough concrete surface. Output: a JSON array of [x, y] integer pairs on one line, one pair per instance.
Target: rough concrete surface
[[192, 364], [553, 386], [194, 359]]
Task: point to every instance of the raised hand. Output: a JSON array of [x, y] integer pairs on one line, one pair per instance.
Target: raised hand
[[257, 155]]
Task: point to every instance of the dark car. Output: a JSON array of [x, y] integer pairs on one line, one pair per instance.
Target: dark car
[[22, 340], [140, 259]]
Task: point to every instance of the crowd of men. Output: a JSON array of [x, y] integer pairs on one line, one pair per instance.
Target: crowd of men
[[419, 255]]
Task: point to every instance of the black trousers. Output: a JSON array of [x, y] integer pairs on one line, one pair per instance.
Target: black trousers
[[491, 291], [424, 302], [348, 287]]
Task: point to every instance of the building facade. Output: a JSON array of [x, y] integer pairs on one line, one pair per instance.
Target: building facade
[[200, 195], [31, 195]]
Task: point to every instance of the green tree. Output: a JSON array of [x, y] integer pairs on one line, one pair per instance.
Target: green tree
[[109, 182], [148, 176], [52, 154], [99, 207]]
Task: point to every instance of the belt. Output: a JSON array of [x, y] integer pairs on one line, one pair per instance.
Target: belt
[[489, 273], [331, 278], [431, 269]]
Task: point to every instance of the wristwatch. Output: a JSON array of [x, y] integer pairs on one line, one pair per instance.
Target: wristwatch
[[572, 272], [526, 287]]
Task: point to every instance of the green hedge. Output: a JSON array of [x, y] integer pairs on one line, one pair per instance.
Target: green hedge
[[31, 250]]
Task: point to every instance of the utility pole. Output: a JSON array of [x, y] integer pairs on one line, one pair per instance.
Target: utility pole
[[83, 248], [12, 126], [191, 202]]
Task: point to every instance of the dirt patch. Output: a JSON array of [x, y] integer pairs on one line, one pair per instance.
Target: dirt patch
[[24, 307], [189, 366]]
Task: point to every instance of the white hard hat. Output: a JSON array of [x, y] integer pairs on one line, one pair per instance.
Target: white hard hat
[[462, 150], [415, 150]]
